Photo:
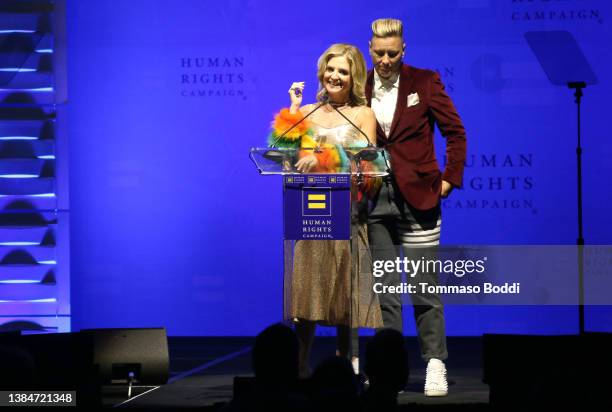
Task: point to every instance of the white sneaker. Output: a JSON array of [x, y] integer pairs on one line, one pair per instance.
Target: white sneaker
[[435, 380], [355, 363]]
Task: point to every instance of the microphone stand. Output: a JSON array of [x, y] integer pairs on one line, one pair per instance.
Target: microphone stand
[[363, 154], [578, 86]]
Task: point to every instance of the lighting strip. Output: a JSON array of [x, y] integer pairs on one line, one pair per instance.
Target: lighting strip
[[17, 70], [38, 89], [31, 195], [16, 31], [19, 281], [19, 176], [19, 243]]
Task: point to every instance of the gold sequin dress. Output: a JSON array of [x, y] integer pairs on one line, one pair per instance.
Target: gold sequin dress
[[331, 280]]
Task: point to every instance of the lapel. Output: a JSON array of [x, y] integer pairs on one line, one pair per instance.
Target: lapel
[[405, 85], [380, 133], [368, 86]]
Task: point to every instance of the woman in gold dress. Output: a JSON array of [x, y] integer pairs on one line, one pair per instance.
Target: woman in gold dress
[[331, 282]]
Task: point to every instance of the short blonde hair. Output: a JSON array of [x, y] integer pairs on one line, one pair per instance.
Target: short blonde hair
[[358, 71], [387, 28]]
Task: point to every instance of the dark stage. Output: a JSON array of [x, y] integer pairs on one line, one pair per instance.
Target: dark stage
[[202, 372]]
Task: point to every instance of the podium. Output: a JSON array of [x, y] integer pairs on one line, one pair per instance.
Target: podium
[[327, 268]]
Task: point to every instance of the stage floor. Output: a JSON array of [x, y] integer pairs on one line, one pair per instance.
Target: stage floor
[[202, 372]]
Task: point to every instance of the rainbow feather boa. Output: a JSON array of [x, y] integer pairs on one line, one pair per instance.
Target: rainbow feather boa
[[331, 158]]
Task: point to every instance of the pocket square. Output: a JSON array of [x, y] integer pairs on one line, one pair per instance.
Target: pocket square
[[413, 99]]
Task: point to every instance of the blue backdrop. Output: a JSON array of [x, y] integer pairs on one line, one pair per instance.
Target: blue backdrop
[[171, 224]]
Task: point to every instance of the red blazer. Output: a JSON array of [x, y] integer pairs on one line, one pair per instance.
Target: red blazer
[[411, 144]]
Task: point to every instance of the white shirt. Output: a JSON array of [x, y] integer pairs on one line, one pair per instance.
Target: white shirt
[[384, 100]]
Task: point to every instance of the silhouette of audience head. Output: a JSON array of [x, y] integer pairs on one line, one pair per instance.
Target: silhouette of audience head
[[386, 363], [18, 369], [275, 355], [334, 385]]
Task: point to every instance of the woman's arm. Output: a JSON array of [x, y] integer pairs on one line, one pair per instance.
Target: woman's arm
[[307, 158], [367, 123], [307, 108]]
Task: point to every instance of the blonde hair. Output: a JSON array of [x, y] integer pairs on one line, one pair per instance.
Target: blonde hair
[[358, 71], [387, 28]]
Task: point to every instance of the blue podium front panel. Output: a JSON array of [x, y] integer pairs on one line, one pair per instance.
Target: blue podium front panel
[[317, 207]]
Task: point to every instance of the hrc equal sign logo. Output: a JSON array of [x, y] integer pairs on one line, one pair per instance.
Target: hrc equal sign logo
[[316, 202]]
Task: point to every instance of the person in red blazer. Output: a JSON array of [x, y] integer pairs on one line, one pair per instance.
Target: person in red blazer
[[406, 214]]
